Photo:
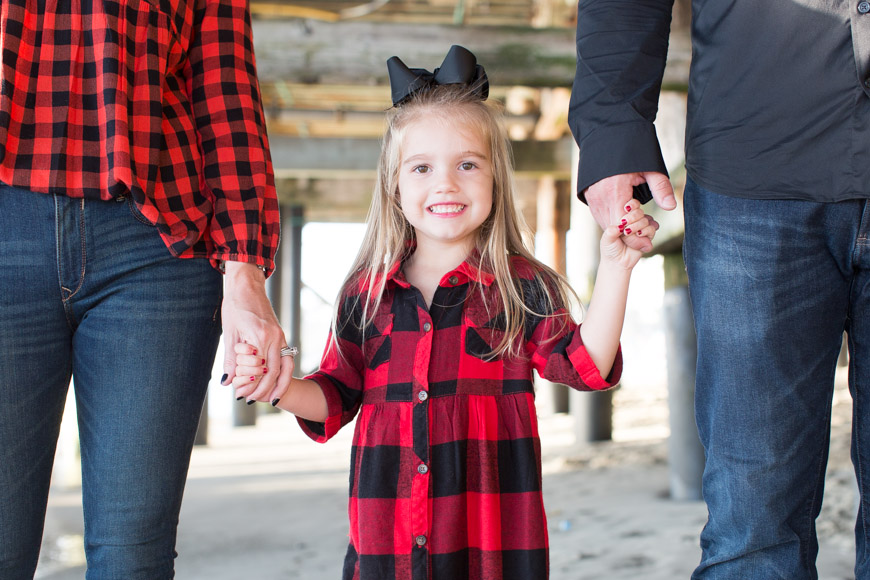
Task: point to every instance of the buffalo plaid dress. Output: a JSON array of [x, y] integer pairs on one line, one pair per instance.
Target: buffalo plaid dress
[[153, 99], [445, 477]]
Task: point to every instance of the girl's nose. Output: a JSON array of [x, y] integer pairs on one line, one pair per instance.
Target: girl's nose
[[446, 183]]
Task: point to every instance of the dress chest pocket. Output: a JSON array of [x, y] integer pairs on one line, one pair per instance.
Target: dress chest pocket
[[378, 343]]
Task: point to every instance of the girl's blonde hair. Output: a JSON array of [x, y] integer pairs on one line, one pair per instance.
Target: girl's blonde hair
[[389, 236]]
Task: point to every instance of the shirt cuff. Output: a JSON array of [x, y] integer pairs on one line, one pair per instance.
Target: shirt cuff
[[627, 148], [323, 431], [590, 374]]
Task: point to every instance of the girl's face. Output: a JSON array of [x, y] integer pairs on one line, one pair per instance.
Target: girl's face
[[445, 181]]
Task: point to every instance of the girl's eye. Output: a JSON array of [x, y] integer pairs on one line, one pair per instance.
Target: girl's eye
[[467, 165], [421, 169]]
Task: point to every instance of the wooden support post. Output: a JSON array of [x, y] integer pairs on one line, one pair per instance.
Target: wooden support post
[[685, 453], [553, 218]]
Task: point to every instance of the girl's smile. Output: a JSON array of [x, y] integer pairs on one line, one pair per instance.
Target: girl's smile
[[446, 209]]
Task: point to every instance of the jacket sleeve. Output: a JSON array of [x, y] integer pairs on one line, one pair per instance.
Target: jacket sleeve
[[622, 48]]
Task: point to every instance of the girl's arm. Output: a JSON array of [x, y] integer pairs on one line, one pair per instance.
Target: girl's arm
[[303, 397], [602, 325]]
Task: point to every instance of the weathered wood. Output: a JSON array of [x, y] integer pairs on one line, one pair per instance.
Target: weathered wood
[[354, 52]]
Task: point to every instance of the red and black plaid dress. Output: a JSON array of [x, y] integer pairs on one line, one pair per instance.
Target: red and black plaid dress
[[157, 99], [446, 462]]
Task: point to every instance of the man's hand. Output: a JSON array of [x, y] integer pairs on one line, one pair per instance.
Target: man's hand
[[608, 198], [248, 318]]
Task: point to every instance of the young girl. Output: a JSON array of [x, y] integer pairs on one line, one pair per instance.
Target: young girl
[[437, 329]]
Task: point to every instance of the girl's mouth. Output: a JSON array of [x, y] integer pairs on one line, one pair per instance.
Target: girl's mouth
[[443, 208]]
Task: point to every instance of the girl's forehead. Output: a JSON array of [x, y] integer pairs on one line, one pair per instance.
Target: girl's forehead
[[440, 132]]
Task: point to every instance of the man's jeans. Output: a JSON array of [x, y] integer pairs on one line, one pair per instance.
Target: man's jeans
[[88, 289], [773, 285]]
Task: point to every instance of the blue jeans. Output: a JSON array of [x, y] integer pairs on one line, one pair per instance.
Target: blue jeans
[[774, 284], [89, 290]]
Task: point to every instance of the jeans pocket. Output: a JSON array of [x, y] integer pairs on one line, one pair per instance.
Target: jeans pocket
[[137, 213]]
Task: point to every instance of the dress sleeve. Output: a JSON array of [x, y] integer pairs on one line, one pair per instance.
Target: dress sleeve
[[237, 168], [555, 347], [340, 375], [621, 53]]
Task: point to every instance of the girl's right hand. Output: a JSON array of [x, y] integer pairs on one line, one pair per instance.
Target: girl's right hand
[[250, 368]]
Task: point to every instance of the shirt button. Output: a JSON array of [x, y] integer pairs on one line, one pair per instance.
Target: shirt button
[[455, 280], [422, 395], [422, 469], [120, 199], [427, 327], [864, 7], [420, 540]]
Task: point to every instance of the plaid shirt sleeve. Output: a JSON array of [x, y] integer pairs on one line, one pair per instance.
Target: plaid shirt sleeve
[[228, 113]]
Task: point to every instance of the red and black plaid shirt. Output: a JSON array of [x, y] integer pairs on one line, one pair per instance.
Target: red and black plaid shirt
[[446, 462], [157, 99]]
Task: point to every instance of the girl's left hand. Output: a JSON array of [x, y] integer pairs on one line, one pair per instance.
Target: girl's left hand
[[635, 222]]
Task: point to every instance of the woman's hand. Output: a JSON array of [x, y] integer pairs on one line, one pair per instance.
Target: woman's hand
[[250, 368], [248, 318]]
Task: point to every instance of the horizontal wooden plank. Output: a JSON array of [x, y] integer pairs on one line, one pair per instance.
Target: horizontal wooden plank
[[355, 53], [355, 158]]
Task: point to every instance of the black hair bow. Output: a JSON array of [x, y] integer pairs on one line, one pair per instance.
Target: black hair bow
[[459, 68]]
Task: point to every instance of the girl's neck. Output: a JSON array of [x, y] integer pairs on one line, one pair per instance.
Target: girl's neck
[[428, 264]]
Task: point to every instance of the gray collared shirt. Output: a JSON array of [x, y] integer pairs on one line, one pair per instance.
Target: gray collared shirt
[[778, 102]]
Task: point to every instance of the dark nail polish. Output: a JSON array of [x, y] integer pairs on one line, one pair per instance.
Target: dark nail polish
[[624, 222], [628, 230], [240, 398], [275, 402], [224, 378], [255, 352], [262, 361], [251, 402], [265, 370]]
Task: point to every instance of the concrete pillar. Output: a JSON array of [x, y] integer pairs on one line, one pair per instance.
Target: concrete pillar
[[685, 453], [290, 258], [593, 412], [201, 437]]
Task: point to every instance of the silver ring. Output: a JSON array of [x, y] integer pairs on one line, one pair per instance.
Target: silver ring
[[289, 351]]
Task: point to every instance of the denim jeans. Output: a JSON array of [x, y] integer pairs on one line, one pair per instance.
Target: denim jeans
[[89, 290], [774, 284]]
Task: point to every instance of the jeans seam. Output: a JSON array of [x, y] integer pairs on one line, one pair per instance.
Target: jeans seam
[[84, 251]]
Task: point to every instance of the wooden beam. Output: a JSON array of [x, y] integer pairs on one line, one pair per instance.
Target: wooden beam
[[354, 52], [357, 158]]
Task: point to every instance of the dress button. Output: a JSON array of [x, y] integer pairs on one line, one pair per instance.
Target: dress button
[[422, 395], [455, 280], [420, 540], [422, 469], [864, 7], [427, 327]]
